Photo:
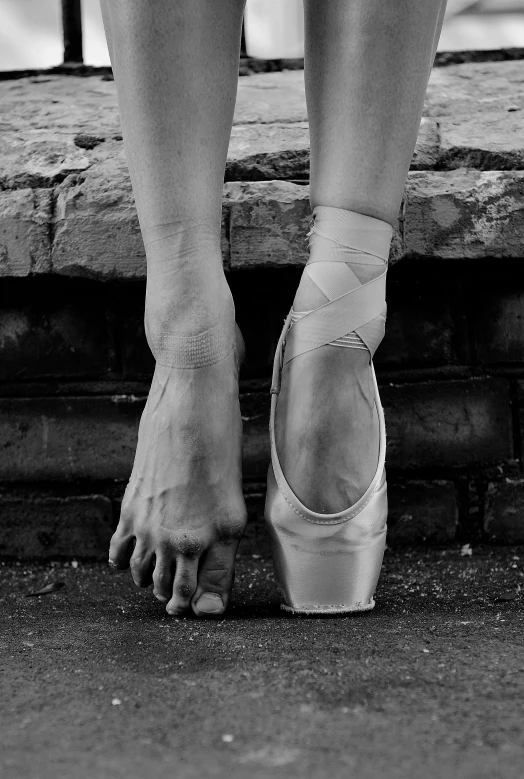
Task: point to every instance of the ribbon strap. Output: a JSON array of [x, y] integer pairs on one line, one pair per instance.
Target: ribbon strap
[[338, 240]]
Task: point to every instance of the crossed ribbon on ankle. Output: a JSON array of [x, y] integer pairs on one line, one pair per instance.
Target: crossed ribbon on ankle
[[335, 241]]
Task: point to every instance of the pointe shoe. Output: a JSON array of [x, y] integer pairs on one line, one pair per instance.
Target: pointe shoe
[[325, 563], [330, 563]]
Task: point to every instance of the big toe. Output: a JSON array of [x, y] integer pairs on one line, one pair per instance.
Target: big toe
[[215, 579]]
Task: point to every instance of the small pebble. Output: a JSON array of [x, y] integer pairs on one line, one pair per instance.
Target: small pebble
[[116, 701], [227, 738]]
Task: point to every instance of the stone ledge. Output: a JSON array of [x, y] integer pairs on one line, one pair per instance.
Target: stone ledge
[[473, 117], [94, 230], [67, 205]]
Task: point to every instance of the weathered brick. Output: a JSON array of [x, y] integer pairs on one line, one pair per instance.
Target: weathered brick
[[97, 233], [496, 313], [427, 146], [504, 512], [68, 105], [39, 160], [53, 527], [96, 226], [268, 223], [447, 424], [265, 152], [63, 439], [422, 512], [446, 215], [464, 214], [51, 329], [25, 218], [426, 323], [269, 98]]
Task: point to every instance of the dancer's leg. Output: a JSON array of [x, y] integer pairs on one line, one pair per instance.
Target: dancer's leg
[[176, 71], [367, 66]]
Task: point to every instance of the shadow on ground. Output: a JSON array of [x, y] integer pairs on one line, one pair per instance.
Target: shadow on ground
[[98, 682]]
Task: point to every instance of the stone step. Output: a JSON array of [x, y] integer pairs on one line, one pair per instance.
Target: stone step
[[56, 125], [66, 204], [91, 230]]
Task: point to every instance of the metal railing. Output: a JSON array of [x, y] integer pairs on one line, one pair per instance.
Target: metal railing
[[72, 29]]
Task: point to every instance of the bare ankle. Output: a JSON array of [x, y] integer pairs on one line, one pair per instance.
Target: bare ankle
[[187, 291]]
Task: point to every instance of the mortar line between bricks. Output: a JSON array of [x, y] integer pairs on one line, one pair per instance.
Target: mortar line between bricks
[[249, 386]]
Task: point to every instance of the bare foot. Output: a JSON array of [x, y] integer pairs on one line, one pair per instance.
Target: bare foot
[[183, 512]]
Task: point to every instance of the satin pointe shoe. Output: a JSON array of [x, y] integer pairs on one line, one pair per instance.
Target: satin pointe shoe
[[330, 563]]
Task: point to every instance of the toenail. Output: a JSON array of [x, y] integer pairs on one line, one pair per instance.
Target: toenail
[[112, 564], [161, 598], [210, 602]]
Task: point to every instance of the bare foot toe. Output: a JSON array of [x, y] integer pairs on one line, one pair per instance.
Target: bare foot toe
[[142, 564], [121, 547], [215, 580], [184, 585]]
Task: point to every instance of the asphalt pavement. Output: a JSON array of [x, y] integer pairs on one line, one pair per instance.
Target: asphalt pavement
[[97, 681]]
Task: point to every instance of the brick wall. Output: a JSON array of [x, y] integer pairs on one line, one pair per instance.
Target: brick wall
[[75, 367]]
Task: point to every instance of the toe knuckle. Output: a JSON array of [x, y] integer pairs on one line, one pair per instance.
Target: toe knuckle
[[187, 545], [184, 590], [219, 577], [161, 577]]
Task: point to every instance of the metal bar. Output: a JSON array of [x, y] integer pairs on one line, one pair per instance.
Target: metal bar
[[72, 27]]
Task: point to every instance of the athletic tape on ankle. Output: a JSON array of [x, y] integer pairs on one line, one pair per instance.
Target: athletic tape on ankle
[[194, 351], [355, 312]]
